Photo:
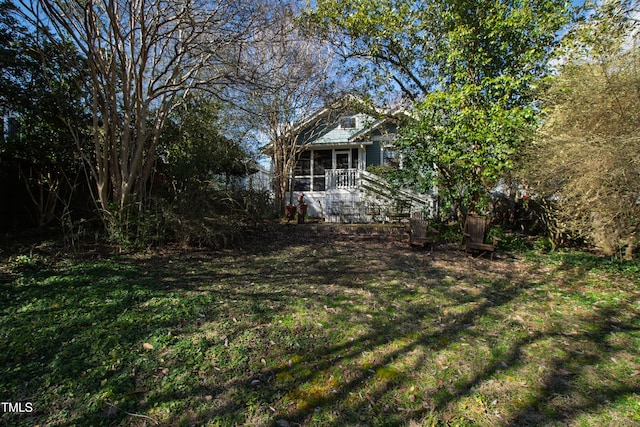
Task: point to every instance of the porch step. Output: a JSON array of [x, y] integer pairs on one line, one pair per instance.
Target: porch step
[[360, 197]]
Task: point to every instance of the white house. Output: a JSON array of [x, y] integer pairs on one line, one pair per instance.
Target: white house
[[331, 171]]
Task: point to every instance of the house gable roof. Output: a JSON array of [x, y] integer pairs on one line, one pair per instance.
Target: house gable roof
[[323, 127], [330, 131]]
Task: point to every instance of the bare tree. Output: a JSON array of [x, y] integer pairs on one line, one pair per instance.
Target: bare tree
[[586, 160], [291, 83], [143, 56]]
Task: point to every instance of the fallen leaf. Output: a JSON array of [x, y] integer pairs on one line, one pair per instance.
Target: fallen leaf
[[147, 346]]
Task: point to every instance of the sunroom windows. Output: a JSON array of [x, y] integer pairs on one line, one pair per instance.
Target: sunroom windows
[[312, 164]]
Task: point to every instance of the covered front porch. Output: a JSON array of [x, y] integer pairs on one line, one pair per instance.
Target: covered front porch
[[357, 196]]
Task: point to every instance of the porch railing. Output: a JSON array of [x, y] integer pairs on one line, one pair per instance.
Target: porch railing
[[338, 179]]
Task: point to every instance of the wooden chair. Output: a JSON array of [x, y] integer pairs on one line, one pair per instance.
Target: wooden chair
[[420, 232], [475, 233]]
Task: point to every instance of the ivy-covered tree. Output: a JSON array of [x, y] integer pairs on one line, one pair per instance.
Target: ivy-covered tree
[[469, 70]]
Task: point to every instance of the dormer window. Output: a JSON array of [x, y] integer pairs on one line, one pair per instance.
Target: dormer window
[[347, 122]]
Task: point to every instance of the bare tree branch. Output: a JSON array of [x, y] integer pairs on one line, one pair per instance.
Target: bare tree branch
[[143, 55]]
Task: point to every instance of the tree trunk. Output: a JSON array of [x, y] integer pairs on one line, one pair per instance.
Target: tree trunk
[[631, 242]]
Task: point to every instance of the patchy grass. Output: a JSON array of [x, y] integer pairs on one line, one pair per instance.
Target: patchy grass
[[320, 331]]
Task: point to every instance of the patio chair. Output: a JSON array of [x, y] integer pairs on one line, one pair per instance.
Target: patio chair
[[420, 232], [475, 233]]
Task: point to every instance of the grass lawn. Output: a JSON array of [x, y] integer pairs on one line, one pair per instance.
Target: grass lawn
[[319, 331]]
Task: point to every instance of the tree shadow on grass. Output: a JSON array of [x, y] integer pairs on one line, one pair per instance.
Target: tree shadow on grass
[[72, 337], [564, 395], [380, 332], [322, 331]]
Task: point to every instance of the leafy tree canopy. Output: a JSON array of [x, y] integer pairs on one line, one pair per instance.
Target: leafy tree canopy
[[193, 146], [40, 95], [40, 85], [469, 68]]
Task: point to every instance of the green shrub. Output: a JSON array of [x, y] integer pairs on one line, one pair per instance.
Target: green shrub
[[195, 217], [449, 233], [543, 244], [383, 171]]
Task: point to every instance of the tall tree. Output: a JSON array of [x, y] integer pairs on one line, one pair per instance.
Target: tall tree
[[468, 68], [585, 163], [292, 80], [142, 56]]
